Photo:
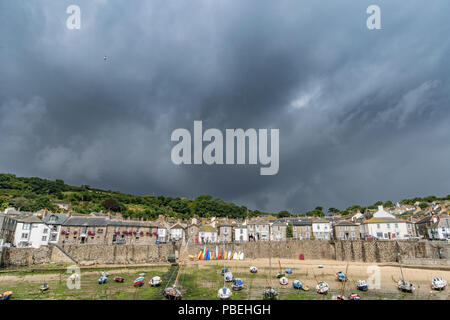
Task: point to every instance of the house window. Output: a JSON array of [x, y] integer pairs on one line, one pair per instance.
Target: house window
[[100, 230], [26, 227], [396, 225], [388, 226], [137, 239], [45, 231], [378, 226], [44, 238], [24, 235]]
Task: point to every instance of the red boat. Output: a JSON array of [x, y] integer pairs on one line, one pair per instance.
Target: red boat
[[119, 279]]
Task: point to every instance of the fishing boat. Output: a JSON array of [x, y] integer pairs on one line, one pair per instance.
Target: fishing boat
[[228, 277], [138, 282], [118, 279], [362, 285], [322, 287], [238, 284], [253, 269], [5, 295], [284, 281], [44, 287], [155, 281], [102, 280], [288, 270], [298, 284], [354, 296], [224, 293], [405, 286], [438, 283], [223, 271], [341, 276]]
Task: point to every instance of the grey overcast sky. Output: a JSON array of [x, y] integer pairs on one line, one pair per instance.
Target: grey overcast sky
[[363, 115]]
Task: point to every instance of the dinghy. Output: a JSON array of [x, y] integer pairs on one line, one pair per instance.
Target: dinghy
[[288, 270], [284, 281], [362, 285], [5, 295], [297, 284], [238, 284], [354, 296], [405, 286], [228, 277], [322, 287], [102, 280], [253, 269], [155, 281], [138, 282], [241, 256], [438, 283], [341, 276], [118, 279], [224, 293], [223, 271], [43, 287]]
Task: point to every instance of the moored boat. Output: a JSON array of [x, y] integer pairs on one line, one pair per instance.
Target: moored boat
[[341, 276], [138, 282], [438, 283], [322, 287], [223, 271], [155, 281], [102, 280], [5, 295], [238, 284], [172, 293], [228, 277], [270, 293], [284, 281], [405, 286], [354, 296], [118, 279], [224, 293], [253, 269], [362, 285], [44, 287], [288, 270]]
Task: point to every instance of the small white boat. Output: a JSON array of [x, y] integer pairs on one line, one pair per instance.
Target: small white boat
[[284, 281], [322, 287], [362, 285], [253, 269], [438, 283], [172, 293], [155, 281], [405, 286], [228, 276], [270, 293], [224, 293], [44, 287]]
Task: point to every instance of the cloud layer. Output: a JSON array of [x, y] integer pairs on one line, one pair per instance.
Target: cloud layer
[[363, 115]]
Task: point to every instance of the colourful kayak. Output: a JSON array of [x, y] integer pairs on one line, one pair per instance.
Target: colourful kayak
[[139, 282]]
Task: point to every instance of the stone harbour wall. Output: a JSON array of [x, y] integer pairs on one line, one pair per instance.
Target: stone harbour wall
[[345, 250]]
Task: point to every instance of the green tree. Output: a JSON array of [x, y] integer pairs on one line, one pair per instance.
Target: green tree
[[289, 233], [283, 214]]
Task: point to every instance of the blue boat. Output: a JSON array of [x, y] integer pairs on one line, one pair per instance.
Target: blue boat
[[5, 295], [102, 280], [224, 270], [238, 284], [297, 284], [341, 276], [288, 270], [362, 285]]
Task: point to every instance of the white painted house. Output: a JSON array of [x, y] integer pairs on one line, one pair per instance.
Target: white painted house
[[240, 233], [440, 229], [207, 234], [31, 232], [385, 226], [322, 229]]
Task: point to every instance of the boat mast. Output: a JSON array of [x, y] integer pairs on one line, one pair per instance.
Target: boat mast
[[181, 264]]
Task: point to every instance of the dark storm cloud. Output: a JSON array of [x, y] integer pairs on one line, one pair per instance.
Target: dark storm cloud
[[363, 115]]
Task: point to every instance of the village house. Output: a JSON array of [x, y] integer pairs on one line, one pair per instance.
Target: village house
[[54, 221], [30, 232], [278, 230], [240, 233], [440, 229], [225, 231], [207, 234], [321, 229], [130, 232], [258, 229], [177, 232], [302, 229], [384, 225], [193, 230], [424, 224], [83, 229], [162, 232], [346, 230], [7, 229]]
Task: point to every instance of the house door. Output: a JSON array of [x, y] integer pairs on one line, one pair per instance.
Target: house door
[[83, 239]]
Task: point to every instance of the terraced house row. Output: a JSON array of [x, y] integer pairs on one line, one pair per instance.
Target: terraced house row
[[43, 228]]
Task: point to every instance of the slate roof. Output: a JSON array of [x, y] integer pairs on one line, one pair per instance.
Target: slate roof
[[28, 219], [302, 222], [85, 221]]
